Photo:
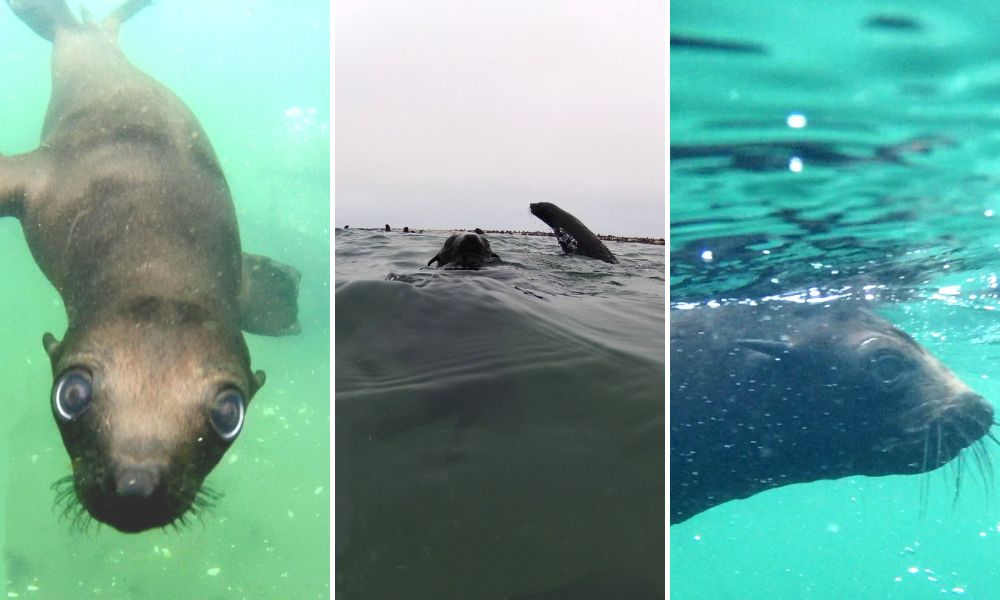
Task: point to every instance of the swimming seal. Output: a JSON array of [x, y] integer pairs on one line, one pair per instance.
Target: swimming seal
[[126, 210], [774, 394], [469, 250], [573, 236]]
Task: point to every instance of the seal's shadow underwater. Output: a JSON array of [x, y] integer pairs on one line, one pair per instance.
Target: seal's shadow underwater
[[126, 210]]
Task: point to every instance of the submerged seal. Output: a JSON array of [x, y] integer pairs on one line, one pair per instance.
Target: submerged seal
[[469, 250], [770, 395], [127, 212], [573, 236]]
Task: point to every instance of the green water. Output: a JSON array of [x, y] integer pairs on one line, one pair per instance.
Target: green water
[[250, 71]]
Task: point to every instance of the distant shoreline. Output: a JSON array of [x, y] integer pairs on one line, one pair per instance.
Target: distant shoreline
[[604, 237]]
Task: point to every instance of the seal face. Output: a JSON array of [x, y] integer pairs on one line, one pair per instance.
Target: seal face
[[766, 396], [467, 250], [127, 212], [142, 446]]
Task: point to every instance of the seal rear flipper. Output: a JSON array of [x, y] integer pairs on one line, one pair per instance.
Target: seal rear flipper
[[124, 12], [269, 297], [20, 176], [44, 17]]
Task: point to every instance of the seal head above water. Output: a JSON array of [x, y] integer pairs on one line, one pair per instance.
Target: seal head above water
[[126, 210], [770, 395], [468, 250]]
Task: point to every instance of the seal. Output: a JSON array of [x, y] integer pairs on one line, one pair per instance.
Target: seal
[[468, 250], [773, 394], [573, 236], [126, 210]]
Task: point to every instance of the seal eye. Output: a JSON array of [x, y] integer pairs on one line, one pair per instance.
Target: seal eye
[[72, 394], [888, 367], [227, 414]]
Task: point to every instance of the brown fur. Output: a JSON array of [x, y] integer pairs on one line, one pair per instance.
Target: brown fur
[[125, 209]]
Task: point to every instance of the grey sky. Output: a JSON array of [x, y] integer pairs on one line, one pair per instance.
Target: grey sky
[[459, 113]]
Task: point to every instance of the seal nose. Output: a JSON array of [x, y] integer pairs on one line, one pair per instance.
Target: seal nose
[[975, 412], [137, 482]]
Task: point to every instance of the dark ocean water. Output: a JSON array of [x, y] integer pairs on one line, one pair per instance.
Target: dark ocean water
[[843, 150], [498, 432], [256, 74]]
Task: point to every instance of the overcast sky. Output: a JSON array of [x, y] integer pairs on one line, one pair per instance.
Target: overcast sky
[[459, 113]]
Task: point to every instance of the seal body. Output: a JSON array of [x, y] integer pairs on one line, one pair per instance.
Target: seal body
[[126, 210], [468, 250], [573, 236], [770, 395]]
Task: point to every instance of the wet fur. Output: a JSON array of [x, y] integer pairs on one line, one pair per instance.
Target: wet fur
[[469, 250], [769, 395], [573, 236], [126, 210]]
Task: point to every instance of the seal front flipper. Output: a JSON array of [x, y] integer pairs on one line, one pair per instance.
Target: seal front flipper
[[269, 297], [572, 234], [21, 178]]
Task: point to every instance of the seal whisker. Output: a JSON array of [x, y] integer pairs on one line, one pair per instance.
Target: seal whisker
[[985, 464], [984, 451], [924, 493], [927, 449], [209, 493], [940, 438], [984, 467], [925, 481], [72, 510], [959, 467], [926, 406]]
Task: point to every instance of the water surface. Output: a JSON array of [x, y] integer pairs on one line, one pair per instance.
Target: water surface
[[499, 431], [842, 150]]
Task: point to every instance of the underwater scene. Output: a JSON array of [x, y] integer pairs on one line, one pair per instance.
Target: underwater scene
[[834, 256], [256, 74]]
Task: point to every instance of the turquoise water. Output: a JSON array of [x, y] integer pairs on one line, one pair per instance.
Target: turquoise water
[[888, 191], [499, 432], [256, 74]]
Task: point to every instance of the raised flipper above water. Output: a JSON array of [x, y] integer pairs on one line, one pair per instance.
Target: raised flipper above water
[[573, 236], [269, 296]]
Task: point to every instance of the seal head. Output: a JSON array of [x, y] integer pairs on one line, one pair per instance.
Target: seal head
[[467, 250], [147, 404]]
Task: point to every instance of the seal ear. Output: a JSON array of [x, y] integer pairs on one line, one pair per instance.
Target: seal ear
[[50, 344], [773, 348], [259, 377]]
